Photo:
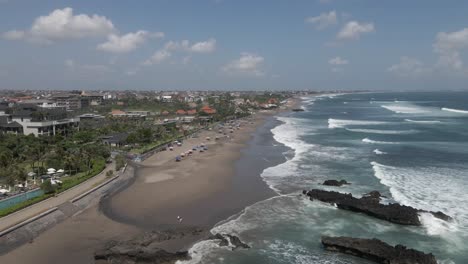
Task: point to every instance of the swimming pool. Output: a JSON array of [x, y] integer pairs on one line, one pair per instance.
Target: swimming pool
[[20, 198]]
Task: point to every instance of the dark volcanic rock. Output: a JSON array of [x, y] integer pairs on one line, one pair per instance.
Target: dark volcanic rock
[[441, 215], [130, 254], [145, 248], [395, 213], [298, 110], [226, 240], [377, 250], [335, 182]]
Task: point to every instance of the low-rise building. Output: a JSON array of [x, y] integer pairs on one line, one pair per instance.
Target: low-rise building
[[31, 119]]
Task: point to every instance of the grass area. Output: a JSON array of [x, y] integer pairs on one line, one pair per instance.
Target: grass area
[[72, 181], [98, 166]]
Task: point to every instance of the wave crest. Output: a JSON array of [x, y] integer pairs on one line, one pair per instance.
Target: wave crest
[[342, 123], [455, 110], [386, 132], [370, 141]]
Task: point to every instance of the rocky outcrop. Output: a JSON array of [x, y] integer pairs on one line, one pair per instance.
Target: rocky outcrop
[[298, 110], [148, 247], [335, 183], [370, 205], [227, 240], [376, 250], [131, 254], [145, 248]]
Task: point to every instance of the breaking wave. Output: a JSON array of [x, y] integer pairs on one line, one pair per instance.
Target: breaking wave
[[378, 152], [405, 109], [387, 132], [370, 141], [427, 188], [455, 110], [342, 123], [423, 121]]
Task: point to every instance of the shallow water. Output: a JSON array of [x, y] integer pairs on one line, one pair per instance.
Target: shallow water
[[412, 147]]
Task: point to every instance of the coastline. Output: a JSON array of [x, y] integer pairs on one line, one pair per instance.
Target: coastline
[[204, 189]]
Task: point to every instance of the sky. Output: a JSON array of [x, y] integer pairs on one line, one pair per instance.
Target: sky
[[234, 44]]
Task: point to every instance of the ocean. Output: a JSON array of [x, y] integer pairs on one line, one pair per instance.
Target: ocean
[[411, 147]]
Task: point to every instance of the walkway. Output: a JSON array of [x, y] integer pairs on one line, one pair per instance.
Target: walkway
[[35, 209]]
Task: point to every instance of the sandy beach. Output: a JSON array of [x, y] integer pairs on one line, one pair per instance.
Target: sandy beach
[[201, 189]]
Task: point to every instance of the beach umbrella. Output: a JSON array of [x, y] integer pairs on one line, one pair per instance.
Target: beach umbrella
[[60, 171], [51, 169]]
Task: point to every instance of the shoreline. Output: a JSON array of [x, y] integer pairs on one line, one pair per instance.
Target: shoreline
[[201, 189]]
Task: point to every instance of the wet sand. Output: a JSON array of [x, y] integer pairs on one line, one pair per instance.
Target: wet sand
[[203, 189]]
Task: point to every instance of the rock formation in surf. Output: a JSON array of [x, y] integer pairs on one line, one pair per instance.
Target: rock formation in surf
[[335, 183], [370, 205], [145, 248], [150, 247], [227, 240], [376, 250]]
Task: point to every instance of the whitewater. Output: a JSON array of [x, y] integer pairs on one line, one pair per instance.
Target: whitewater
[[410, 151]]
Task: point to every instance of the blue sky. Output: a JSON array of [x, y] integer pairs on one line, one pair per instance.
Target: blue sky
[[234, 44]]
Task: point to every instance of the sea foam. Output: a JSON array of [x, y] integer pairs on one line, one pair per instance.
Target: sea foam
[[379, 131], [370, 141], [459, 111], [342, 123], [423, 121], [427, 188], [378, 152], [405, 109]]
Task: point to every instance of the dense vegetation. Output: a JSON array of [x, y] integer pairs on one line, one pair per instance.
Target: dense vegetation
[[21, 154]]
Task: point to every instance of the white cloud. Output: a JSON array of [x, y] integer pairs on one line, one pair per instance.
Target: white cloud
[[86, 68], [409, 67], [186, 60], [354, 30], [131, 72], [198, 47], [337, 61], [184, 45], [62, 24], [13, 35], [248, 63], [70, 63], [97, 68], [124, 43], [204, 46], [448, 46], [323, 20], [158, 57]]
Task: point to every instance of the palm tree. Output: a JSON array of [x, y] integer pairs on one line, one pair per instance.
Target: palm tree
[[6, 157]]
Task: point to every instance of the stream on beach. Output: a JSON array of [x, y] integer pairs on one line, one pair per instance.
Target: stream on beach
[[411, 147]]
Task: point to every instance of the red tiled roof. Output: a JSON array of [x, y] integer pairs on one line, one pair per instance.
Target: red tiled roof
[[208, 110], [117, 112], [181, 112]]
